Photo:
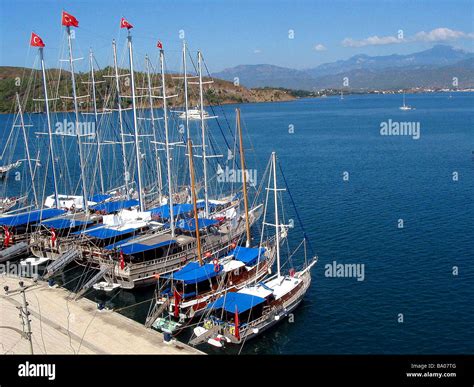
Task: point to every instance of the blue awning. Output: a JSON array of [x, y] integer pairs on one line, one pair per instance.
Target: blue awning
[[115, 206], [190, 224], [236, 301], [248, 255], [178, 209], [102, 232], [60, 224], [193, 273], [98, 198], [129, 248], [26, 218]]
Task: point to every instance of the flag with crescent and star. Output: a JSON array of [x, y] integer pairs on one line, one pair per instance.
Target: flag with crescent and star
[[68, 20], [36, 41], [125, 24]]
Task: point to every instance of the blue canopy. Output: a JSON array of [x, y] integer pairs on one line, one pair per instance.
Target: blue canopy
[[190, 224], [97, 198], [178, 209], [193, 273], [241, 302], [136, 248], [248, 255], [61, 223], [115, 206], [102, 232], [26, 218]]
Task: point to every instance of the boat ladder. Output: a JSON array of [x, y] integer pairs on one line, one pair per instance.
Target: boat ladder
[[157, 311], [205, 336], [13, 251], [101, 273], [61, 262]]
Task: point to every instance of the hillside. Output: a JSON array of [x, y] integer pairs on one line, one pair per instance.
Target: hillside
[[219, 92], [434, 67]]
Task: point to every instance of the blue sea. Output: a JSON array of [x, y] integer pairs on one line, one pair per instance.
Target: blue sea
[[353, 188]]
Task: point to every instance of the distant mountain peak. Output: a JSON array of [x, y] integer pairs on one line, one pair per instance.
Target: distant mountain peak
[[364, 70]]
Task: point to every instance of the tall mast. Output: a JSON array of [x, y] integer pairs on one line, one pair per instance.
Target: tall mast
[[27, 149], [244, 179], [96, 122], [150, 96], [193, 193], [277, 225], [167, 144], [203, 129], [122, 133], [50, 132], [186, 109], [135, 124], [76, 112]]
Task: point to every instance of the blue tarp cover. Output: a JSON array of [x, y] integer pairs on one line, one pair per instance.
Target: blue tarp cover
[[99, 198], [110, 207], [102, 232], [242, 301], [60, 224], [248, 255], [26, 218], [136, 248], [190, 224], [193, 273], [178, 209]]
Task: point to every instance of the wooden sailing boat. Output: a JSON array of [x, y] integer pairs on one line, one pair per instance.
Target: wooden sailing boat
[[239, 316], [185, 294]]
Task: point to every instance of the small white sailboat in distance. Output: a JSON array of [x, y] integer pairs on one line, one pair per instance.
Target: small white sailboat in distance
[[342, 95], [405, 106]]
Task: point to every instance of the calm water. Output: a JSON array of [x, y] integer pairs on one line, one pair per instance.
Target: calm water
[[409, 270]]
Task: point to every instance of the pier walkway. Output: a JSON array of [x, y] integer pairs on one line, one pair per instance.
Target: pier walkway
[[61, 325]]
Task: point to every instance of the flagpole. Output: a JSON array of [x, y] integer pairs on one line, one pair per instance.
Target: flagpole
[[135, 124], [76, 112], [50, 132], [27, 149], [94, 101], [203, 130], [167, 144], [186, 109], [157, 158], [126, 176]]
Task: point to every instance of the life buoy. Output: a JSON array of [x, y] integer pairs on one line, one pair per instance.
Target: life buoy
[[215, 261]]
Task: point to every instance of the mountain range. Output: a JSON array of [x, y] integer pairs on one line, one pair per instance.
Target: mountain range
[[434, 67]]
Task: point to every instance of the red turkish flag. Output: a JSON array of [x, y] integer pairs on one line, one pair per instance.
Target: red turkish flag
[[159, 45], [53, 237], [125, 24], [68, 20], [36, 41], [177, 300], [236, 322], [122, 260]]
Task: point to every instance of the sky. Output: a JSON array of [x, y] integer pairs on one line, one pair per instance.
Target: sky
[[290, 33]]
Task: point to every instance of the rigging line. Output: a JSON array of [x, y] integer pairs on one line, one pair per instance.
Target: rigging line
[[41, 322], [296, 211]]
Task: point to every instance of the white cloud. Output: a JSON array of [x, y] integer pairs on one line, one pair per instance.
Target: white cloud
[[436, 35], [371, 41], [441, 34], [320, 47], [257, 51]]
